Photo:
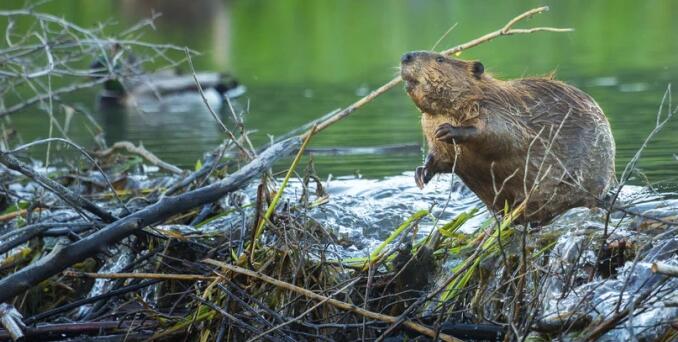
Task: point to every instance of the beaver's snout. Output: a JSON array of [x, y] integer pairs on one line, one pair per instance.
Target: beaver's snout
[[410, 57], [409, 69], [406, 58]]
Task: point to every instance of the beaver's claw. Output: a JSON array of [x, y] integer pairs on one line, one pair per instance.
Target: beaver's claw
[[423, 174], [451, 134]]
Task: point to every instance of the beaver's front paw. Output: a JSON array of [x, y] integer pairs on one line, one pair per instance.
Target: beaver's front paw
[[451, 134]]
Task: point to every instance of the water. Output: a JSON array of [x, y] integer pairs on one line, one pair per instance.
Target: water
[[301, 59]]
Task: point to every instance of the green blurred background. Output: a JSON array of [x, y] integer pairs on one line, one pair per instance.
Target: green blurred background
[[301, 58]]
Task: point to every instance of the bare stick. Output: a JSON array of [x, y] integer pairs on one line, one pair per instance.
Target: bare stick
[[163, 276], [19, 236], [14, 214], [38, 98], [339, 304], [141, 151], [10, 319], [507, 30], [84, 153], [227, 131], [64, 193], [78, 303], [665, 269]]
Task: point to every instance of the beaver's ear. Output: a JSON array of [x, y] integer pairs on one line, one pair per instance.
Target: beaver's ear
[[477, 69]]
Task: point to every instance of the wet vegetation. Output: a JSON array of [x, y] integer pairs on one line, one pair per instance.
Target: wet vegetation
[[112, 242]]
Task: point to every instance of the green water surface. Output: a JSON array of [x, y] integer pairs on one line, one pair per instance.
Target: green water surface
[[300, 59]]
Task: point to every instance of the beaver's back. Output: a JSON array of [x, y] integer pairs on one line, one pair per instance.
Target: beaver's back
[[575, 124], [555, 131]]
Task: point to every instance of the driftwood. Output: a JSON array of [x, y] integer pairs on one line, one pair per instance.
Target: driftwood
[[60, 331], [90, 300], [63, 257], [18, 237]]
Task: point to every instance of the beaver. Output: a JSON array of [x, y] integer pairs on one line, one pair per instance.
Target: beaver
[[534, 139]]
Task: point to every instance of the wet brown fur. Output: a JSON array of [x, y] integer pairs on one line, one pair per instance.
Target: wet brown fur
[[534, 138]]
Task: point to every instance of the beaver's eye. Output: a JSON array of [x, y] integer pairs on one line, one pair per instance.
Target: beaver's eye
[[440, 59]]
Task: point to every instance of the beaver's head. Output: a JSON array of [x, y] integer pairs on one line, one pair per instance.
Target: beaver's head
[[439, 84]]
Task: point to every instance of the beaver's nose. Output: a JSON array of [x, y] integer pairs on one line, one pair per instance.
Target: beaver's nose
[[406, 58]]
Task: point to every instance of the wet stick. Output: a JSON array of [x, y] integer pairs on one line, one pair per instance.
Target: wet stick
[[76, 201], [260, 228], [161, 276], [506, 30], [339, 304], [665, 269], [65, 256]]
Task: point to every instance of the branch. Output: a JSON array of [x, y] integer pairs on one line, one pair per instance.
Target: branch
[[339, 304], [10, 319], [665, 269], [25, 234], [160, 276], [78, 303], [141, 151], [64, 90], [64, 193], [61, 258]]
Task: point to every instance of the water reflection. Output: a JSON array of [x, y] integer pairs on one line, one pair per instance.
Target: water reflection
[[200, 18], [193, 126]]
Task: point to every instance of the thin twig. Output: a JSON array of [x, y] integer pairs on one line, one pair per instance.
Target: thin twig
[[162, 276], [141, 151], [339, 304]]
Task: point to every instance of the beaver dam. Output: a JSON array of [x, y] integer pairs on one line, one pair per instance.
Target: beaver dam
[[107, 241]]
